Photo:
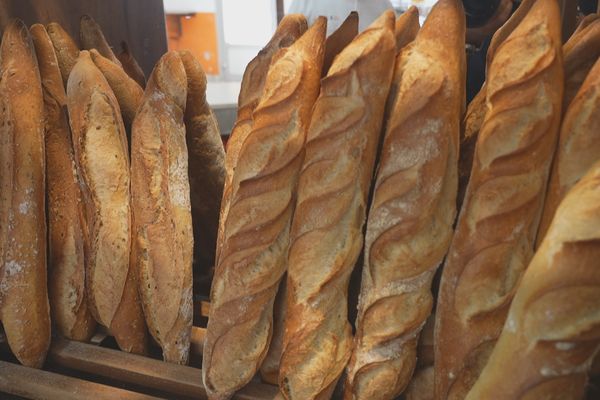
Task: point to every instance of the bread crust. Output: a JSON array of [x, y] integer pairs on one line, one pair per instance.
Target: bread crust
[[102, 162], [91, 37], [66, 263], [131, 66], [326, 235], [406, 28], [413, 209], [255, 241], [496, 229], [65, 48], [24, 309], [553, 327], [163, 244], [339, 39]]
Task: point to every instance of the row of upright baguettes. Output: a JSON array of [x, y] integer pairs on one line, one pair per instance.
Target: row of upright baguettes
[[302, 159], [120, 241]]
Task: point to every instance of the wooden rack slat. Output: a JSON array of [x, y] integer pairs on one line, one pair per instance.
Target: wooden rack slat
[[38, 384]]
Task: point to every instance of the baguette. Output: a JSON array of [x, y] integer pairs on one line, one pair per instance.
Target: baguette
[[553, 327], [65, 48], [91, 37], [578, 146], [24, 309], [494, 237], [66, 280], [413, 209], [406, 28], [421, 385], [161, 209], [206, 163], [127, 92], [101, 158], [256, 231], [326, 234], [339, 39], [131, 66], [291, 27]]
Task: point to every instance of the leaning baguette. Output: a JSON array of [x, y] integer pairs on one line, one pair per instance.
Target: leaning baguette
[[499, 218], [326, 234], [66, 278], [24, 309], [339, 39], [163, 237], [413, 209], [91, 37], [131, 66], [553, 327], [256, 231], [103, 165], [406, 28], [65, 48]]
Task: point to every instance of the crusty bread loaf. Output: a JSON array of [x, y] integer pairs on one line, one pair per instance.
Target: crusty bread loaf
[[206, 163], [406, 28], [413, 209], [127, 91], [291, 27], [65, 48], [163, 237], [269, 370], [494, 237], [339, 39], [580, 53], [253, 256], [91, 37], [66, 264], [103, 164], [552, 330], [24, 309], [421, 385], [326, 235], [585, 22], [131, 66], [578, 146]]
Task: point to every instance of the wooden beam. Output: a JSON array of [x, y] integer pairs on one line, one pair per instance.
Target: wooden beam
[[37, 384]]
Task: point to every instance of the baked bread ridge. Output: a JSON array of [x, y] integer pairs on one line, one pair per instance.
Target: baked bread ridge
[[291, 27], [326, 234], [496, 229], [127, 91], [24, 309], [66, 263], [65, 48], [578, 146], [163, 244], [339, 39], [256, 233], [580, 54], [131, 66], [406, 28], [102, 161], [92, 37], [206, 160], [553, 327], [413, 208]]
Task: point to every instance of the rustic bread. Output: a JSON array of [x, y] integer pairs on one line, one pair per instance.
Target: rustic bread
[[552, 330], [269, 370], [24, 309], [253, 256], [65, 48], [163, 237], [407, 27], [127, 92], [66, 263], [131, 66], [206, 159], [421, 385], [91, 37], [339, 39], [493, 242], [413, 209], [326, 234], [103, 164]]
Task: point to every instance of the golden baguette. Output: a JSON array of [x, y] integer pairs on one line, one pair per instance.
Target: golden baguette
[[24, 309], [91, 37], [65, 48], [496, 229], [553, 327], [406, 28], [256, 231], [131, 66], [326, 234], [163, 236], [413, 209], [102, 162], [339, 39], [66, 277]]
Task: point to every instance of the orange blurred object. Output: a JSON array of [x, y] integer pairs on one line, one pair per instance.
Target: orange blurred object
[[198, 34]]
